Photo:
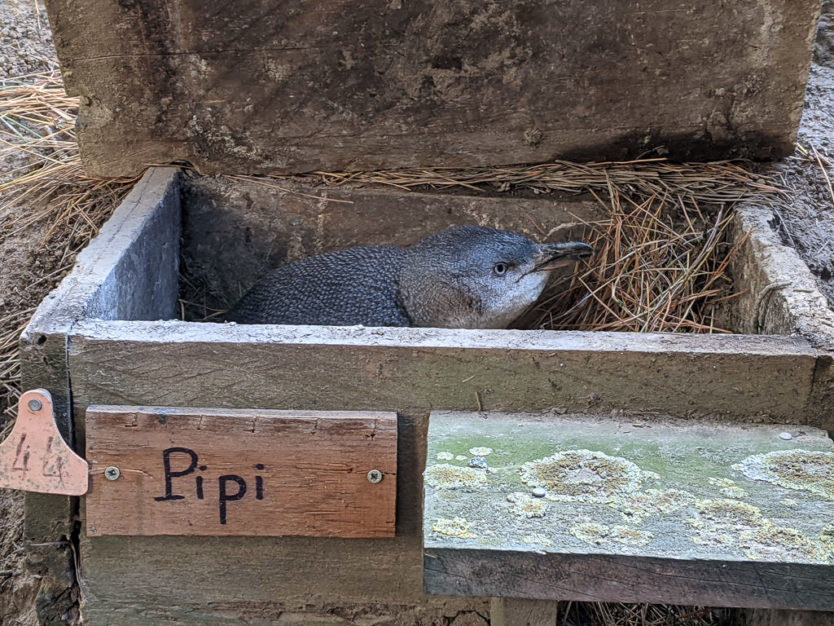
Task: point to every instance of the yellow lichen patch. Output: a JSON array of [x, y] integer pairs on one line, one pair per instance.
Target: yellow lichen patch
[[826, 537], [526, 505], [457, 527], [600, 534], [536, 539], [730, 512], [633, 508], [720, 521], [728, 487], [480, 451], [583, 476], [631, 536], [444, 476], [788, 502], [445, 456], [636, 507], [669, 500], [802, 470], [590, 533], [776, 543]]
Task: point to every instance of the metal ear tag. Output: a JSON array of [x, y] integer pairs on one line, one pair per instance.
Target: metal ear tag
[[35, 457]]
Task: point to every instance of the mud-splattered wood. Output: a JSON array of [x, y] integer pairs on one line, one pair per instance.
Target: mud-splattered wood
[[170, 471], [387, 83], [633, 510]]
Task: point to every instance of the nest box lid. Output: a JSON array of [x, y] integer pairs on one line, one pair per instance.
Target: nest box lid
[[251, 87]]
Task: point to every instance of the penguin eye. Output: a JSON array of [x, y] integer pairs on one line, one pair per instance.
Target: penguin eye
[[499, 269]]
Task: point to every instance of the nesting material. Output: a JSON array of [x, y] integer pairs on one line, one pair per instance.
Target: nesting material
[[62, 205], [650, 272]]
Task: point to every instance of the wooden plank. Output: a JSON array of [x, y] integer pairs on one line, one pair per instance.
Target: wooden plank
[[629, 510], [782, 296], [596, 578], [419, 83], [181, 471], [412, 369], [518, 612], [762, 617], [143, 229], [408, 370]]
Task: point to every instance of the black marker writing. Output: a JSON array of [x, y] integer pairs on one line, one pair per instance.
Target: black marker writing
[[169, 474], [227, 497]]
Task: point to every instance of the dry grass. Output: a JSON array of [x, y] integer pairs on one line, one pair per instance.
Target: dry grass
[[47, 192], [650, 272], [618, 614], [717, 182]]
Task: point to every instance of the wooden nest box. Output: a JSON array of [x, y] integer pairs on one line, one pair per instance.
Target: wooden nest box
[[241, 472]]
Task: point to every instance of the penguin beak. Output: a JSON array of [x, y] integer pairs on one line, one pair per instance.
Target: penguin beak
[[551, 256]]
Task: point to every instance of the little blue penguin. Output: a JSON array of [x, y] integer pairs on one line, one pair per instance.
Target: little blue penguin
[[460, 277]]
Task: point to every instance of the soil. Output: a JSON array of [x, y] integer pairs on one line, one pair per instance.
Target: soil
[[28, 271], [25, 48]]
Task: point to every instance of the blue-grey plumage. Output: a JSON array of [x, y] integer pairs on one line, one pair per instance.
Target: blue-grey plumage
[[461, 277]]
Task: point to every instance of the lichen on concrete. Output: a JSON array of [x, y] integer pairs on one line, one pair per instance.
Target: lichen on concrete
[[802, 470], [600, 534], [777, 543], [583, 476], [728, 487], [525, 505], [445, 476], [455, 527]]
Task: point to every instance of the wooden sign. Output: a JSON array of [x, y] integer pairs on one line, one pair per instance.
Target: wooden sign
[[34, 457], [184, 471]]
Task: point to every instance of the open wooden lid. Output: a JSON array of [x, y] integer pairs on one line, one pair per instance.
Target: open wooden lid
[[258, 87]]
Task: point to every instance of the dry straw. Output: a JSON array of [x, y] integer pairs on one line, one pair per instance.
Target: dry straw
[[44, 191]]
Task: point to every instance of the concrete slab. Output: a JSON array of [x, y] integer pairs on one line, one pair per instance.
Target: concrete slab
[[512, 499]]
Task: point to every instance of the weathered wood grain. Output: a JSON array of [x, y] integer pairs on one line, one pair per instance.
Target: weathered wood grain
[[609, 578], [304, 87], [518, 612], [245, 472], [631, 510], [308, 367], [50, 520], [761, 617]]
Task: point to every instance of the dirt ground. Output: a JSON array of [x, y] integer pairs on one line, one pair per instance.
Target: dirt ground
[[28, 271], [25, 48]]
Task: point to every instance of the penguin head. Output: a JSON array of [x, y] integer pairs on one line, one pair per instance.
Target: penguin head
[[477, 277]]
